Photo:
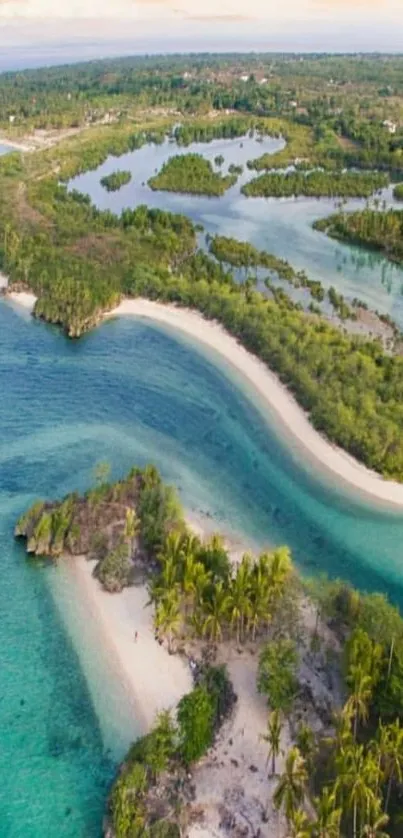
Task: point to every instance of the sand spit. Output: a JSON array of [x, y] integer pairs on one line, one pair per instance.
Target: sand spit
[[304, 439], [274, 394], [155, 679]]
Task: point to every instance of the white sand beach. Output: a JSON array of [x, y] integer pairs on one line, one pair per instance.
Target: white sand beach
[[156, 680], [23, 298], [294, 420], [303, 437]]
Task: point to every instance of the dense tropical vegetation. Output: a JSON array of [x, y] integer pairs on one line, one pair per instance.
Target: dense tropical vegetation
[[147, 798], [343, 779], [316, 184], [80, 261], [115, 181], [381, 230], [191, 173], [115, 524], [398, 192]]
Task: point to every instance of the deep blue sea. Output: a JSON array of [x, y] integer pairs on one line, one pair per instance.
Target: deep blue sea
[[130, 393]]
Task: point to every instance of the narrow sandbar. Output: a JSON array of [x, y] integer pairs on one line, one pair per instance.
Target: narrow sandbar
[[273, 393]]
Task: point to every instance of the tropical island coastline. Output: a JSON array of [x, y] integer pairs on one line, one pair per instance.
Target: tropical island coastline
[[247, 664], [275, 396]]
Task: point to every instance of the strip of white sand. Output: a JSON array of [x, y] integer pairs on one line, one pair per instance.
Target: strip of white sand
[[270, 389], [155, 679], [23, 298]]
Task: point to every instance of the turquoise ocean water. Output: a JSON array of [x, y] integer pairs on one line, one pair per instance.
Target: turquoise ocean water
[[130, 393]]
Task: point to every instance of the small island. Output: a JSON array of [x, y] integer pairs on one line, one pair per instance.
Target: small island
[[291, 725], [115, 181], [316, 184], [193, 174], [379, 230]]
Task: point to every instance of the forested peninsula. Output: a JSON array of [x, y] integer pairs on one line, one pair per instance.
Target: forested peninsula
[[316, 184], [370, 227], [351, 389], [327, 659]]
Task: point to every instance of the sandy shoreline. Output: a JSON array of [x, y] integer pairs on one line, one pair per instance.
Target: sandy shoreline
[[271, 391], [156, 680]]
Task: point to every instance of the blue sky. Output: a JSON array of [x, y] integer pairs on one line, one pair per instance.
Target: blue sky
[[167, 25]]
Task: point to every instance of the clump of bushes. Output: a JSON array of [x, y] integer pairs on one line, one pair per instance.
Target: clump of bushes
[[146, 797]]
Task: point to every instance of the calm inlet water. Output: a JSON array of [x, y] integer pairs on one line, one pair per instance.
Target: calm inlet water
[[131, 393], [281, 226]]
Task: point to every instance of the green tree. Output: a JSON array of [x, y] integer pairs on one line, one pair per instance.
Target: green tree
[[131, 528], [290, 792], [195, 716], [277, 673], [328, 815], [216, 612], [358, 702], [168, 618], [391, 755], [376, 820], [273, 738]]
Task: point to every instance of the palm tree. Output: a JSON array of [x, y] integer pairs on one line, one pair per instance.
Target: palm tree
[[306, 742], [299, 826], [328, 816], [239, 599], [168, 618], [376, 820], [358, 776], [362, 686], [280, 568], [259, 610], [273, 738], [173, 548], [391, 754], [131, 527], [342, 723], [290, 792], [195, 579], [216, 610]]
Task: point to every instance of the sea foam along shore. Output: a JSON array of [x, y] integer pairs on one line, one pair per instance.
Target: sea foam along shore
[[273, 394]]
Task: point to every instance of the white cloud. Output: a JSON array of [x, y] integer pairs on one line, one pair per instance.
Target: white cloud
[[269, 10]]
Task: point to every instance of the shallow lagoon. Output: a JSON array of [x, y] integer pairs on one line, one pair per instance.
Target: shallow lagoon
[[281, 226], [131, 393]]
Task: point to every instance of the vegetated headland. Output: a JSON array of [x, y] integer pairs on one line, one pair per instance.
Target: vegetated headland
[[371, 227], [297, 684]]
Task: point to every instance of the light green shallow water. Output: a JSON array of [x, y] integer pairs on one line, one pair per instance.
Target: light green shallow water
[[130, 393]]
